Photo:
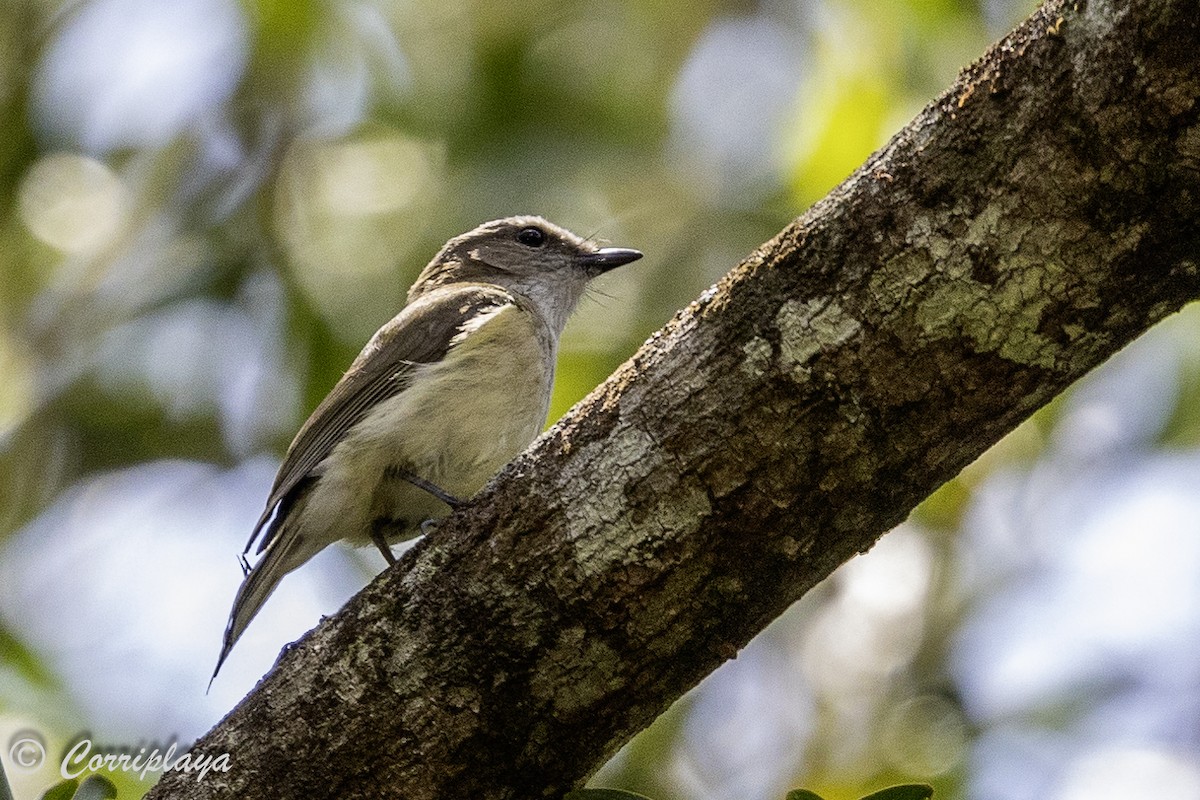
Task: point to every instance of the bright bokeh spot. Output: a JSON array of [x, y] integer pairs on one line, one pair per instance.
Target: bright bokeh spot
[[350, 211], [925, 736], [874, 624], [72, 202], [730, 102], [127, 73], [1124, 773]]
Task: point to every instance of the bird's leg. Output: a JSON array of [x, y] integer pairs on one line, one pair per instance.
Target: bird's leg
[[381, 542], [421, 483]]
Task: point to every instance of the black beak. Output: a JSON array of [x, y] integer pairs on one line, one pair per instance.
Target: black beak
[[607, 258]]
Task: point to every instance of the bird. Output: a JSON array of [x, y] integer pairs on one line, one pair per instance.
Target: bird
[[441, 397]]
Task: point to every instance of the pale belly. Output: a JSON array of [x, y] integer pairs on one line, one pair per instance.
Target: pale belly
[[455, 426]]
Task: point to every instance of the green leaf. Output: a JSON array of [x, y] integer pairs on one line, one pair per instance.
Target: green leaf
[[604, 794], [24, 661], [94, 787], [61, 791], [803, 794], [906, 791]]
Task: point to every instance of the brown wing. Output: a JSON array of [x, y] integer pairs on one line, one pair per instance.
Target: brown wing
[[420, 334]]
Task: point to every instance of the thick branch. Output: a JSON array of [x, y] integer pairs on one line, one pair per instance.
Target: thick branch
[[1024, 227]]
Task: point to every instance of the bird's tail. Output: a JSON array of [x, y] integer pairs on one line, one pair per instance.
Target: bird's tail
[[286, 551]]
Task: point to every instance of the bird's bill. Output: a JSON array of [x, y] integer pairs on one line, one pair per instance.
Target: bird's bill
[[607, 258]]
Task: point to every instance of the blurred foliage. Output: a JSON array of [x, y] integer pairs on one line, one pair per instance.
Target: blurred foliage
[[603, 794], [334, 146], [94, 787], [207, 206], [911, 791]]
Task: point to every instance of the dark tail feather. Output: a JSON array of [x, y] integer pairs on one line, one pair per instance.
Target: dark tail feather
[[282, 557]]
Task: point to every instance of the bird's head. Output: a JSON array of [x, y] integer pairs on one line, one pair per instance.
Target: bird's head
[[546, 264]]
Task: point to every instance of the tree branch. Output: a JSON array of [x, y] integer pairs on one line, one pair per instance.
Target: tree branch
[[1032, 221]]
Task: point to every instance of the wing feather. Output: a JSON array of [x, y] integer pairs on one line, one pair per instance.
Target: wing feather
[[420, 334]]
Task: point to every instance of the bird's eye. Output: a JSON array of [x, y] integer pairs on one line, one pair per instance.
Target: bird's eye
[[532, 237]]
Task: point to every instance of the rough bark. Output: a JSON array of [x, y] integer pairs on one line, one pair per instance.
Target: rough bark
[[1029, 223]]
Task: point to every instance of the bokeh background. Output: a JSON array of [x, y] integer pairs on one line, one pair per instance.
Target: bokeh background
[[207, 206]]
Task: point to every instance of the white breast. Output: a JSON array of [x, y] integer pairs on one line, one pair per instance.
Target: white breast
[[488, 398], [458, 422]]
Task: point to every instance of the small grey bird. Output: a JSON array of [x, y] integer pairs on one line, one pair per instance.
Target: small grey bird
[[441, 397]]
